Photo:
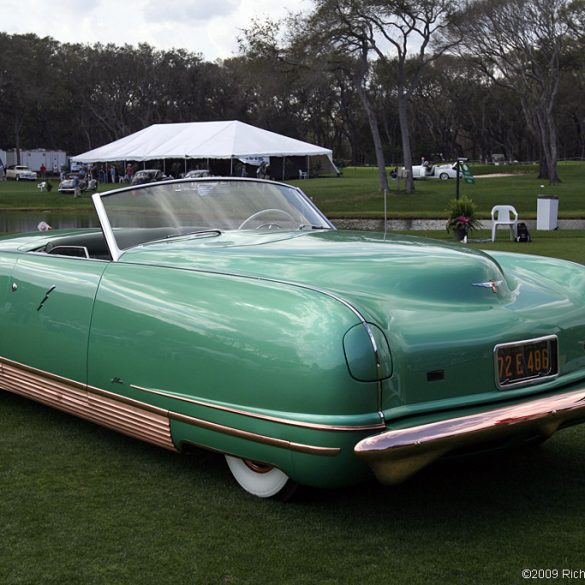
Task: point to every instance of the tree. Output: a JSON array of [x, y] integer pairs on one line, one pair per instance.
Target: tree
[[291, 88], [571, 108], [409, 26], [26, 71], [398, 31], [519, 44], [461, 112], [341, 44]]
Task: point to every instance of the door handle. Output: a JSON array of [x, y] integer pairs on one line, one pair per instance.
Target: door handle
[[46, 297]]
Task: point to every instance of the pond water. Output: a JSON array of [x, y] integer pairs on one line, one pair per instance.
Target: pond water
[[27, 221]]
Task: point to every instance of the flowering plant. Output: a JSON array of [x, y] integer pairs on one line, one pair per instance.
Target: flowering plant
[[462, 216]]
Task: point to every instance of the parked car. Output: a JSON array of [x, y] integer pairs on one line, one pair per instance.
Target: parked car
[[197, 173], [147, 176], [428, 171], [231, 315], [20, 173], [67, 185]]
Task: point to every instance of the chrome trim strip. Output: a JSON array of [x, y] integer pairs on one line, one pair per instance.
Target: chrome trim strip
[[311, 449], [46, 255], [129, 401], [397, 454], [126, 415], [106, 227], [32, 370], [251, 414]]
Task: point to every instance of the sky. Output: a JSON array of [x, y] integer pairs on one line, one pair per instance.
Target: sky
[[209, 27]]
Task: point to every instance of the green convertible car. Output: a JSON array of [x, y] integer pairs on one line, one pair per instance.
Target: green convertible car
[[229, 314]]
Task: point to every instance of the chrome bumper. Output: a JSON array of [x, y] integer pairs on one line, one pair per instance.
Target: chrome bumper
[[395, 455]]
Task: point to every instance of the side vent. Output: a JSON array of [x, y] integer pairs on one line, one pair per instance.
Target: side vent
[[435, 375]]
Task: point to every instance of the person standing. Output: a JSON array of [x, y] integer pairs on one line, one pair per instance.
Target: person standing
[[76, 189], [113, 173]]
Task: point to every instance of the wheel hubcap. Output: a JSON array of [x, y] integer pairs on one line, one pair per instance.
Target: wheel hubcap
[[257, 467]]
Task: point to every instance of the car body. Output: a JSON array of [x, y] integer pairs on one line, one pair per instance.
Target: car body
[[230, 314], [147, 176], [429, 171], [67, 185], [20, 173]]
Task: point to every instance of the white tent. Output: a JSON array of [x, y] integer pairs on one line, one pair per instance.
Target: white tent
[[201, 140]]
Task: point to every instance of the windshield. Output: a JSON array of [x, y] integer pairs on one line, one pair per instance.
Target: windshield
[[177, 208]]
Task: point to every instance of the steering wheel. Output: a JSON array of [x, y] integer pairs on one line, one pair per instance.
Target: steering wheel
[[258, 214]]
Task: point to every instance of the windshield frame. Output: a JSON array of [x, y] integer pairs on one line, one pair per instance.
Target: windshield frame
[[108, 230]]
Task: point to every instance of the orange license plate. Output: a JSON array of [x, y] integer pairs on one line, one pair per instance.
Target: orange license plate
[[526, 362]]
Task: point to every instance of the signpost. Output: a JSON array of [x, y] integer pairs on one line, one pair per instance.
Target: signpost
[[463, 169]]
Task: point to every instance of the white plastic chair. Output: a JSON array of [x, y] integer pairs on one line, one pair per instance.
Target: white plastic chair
[[303, 174], [502, 215]]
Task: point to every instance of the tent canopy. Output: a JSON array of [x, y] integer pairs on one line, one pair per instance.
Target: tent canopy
[[197, 140]]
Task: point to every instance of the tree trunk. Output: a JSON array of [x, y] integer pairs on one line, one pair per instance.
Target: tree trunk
[[405, 134], [548, 147], [553, 154], [542, 125], [373, 122]]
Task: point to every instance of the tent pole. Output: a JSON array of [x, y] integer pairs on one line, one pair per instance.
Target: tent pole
[[308, 174], [185, 164], [231, 166], [283, 166]]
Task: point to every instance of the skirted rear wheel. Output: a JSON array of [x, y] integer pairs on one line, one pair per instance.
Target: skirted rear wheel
[[261, 480]]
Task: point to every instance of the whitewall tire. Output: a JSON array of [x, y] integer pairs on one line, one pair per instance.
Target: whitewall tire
[[258, 479]]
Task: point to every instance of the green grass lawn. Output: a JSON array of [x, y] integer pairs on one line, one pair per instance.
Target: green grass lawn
[[566, 244], [25, 195], [84, 505], [356, 193]]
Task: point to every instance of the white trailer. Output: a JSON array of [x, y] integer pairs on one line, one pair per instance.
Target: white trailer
[[53, 160], [3, 165]]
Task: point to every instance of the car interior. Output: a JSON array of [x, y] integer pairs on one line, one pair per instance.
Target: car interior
[[89, 245]]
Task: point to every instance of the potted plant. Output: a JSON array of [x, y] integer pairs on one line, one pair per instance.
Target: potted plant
[[462, 217]]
